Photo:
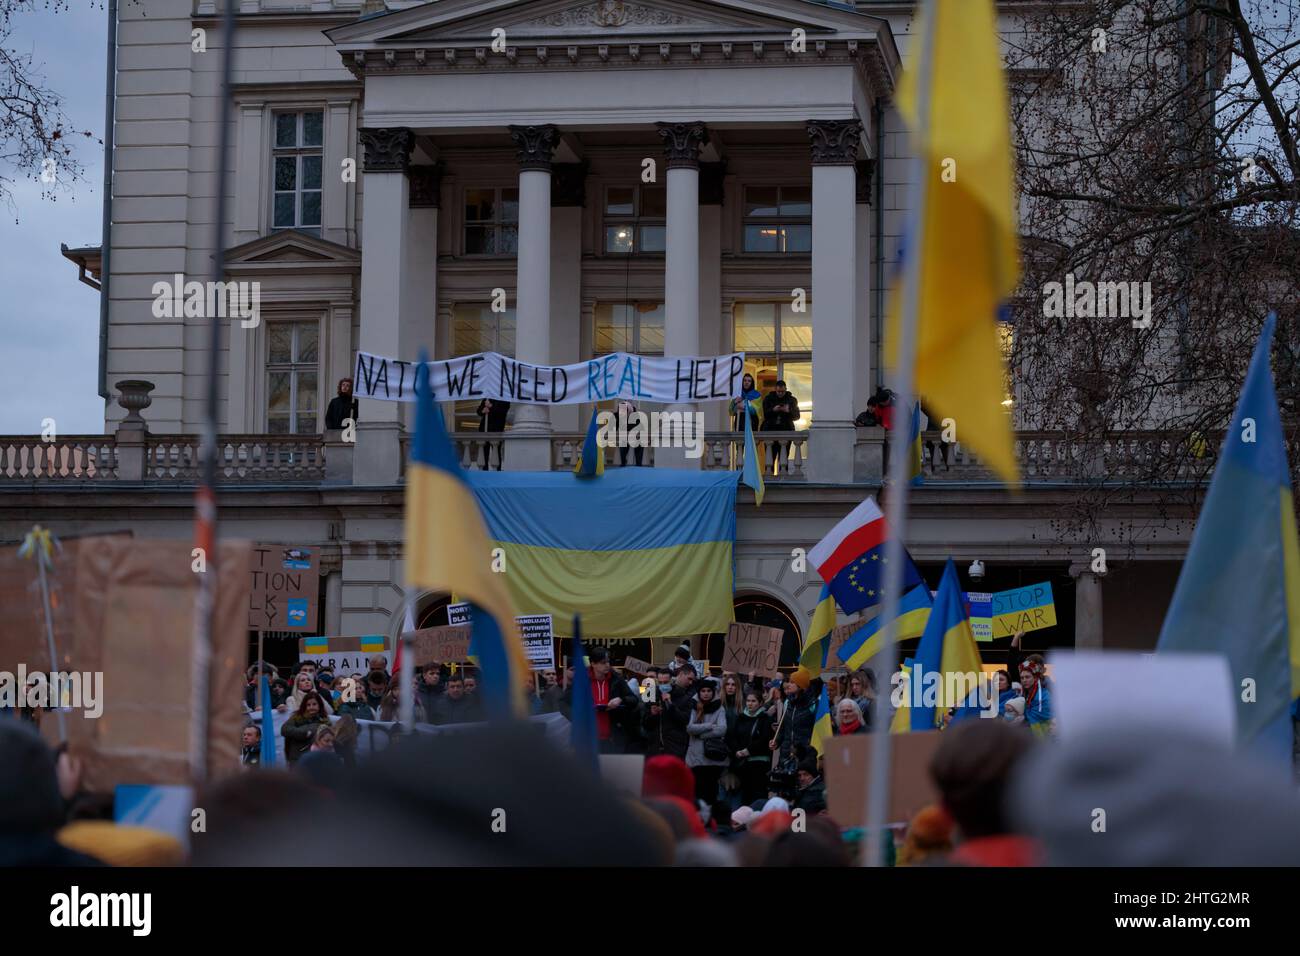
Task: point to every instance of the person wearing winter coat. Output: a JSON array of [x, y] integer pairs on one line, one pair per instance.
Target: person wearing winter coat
[[299, 731], [668, 713], [748, 742], [616, 704], [708, 721]]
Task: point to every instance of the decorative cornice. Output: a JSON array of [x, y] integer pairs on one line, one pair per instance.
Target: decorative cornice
[[682, 143], [535, 145], [866, 174], [569, 184], [712, 176], [426, 182], [835, 142], [610, 14], [388, 150]]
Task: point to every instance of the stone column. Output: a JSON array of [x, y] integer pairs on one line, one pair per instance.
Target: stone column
[[383, 268], [334, 602], [420, 289], [834, 297], [536, 150], [682, 144], [1087, 608]]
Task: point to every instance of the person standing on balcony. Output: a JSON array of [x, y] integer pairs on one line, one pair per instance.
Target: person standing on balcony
[[342, 406], [625, 412], [780, 412], [492, 419]]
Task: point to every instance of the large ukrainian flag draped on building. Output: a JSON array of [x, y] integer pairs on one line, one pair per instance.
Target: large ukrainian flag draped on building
[[447, 549], [643, 552], [1239, 590], [947, 647], [964, 239]]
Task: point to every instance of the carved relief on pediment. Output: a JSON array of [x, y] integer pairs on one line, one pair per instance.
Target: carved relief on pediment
[[609, 14]]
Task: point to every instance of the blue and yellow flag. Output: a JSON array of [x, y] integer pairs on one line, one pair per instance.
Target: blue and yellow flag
[[817, 647], [964, 240], [582, 727], [1239, 591], [447, 549], [947, 651], [591, 460], [915, 473], [913, 615], [644, 552], [753, 473], [822, 730]]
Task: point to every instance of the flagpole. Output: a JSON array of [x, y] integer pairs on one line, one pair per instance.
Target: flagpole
[[896, 506], [56, 684], [406, 678]]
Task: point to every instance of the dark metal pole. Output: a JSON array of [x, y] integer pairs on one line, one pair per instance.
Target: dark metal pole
[[205, 498]]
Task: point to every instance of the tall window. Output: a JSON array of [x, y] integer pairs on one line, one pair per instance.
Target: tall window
[[629, 327], [292, 356], [297, 176], [492, 221], [635, 219], [777, 342], [778, 219], [476, 328]]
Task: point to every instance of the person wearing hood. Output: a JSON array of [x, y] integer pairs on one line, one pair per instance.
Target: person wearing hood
[[749, 401], [300, 730], [751, 732], [707, 755]]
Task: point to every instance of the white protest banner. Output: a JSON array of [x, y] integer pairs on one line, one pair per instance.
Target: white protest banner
[[343, 655], [647, 378], [539, 641]]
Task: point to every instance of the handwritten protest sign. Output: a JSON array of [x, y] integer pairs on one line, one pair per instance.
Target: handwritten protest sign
[[344, 655], [440, 645], [636, 665], [284, 583], [1023, 609], [979, 607], [752, 649], [492, 375]]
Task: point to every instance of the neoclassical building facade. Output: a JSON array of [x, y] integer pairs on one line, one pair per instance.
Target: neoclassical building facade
[[553, 180]]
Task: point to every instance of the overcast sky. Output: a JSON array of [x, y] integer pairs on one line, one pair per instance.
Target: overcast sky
[[49, 320]]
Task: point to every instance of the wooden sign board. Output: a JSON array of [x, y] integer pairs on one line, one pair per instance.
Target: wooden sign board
[[847, 769], [636, 665], [284, 584], [439, 645], [752, 649]]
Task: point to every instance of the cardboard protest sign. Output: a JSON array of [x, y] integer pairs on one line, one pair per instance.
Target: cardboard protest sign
[[284, 583], [539, 641], [752, 649], [440, 645], [344, 655], [125, 611], [979, 608], [1023, 609], [841, 634], [636, 665], [848, 776]]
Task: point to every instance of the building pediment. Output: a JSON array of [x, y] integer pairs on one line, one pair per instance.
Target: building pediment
[[290, 253], [613, 21]]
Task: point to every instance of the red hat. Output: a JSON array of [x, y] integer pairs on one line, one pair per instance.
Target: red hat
[[668, 776]]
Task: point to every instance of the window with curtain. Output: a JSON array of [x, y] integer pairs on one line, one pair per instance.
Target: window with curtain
[[476, 328], [292, 378], [492, 221]]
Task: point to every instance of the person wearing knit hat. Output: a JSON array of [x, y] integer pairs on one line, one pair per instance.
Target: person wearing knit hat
[[31, 807], [667, 776]]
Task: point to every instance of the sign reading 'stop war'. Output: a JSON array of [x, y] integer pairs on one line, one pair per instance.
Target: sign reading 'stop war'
[[645, 378], [284, 583], [1023, 609]]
